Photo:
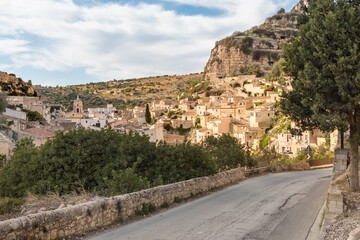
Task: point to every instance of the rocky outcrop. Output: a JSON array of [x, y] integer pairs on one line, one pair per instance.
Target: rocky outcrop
[[299, 5], [259, 46], [14, 86]]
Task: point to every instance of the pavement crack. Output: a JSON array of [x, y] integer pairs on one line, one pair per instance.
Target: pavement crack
[[286, 201], [329, 176]]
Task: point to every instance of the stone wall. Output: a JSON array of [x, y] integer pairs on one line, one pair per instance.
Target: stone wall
[[89, 216], [335, 200]]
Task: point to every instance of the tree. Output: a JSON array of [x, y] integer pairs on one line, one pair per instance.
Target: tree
[[324, 61], [277, 73], [147, 114], [227, 152], [281, 10], [25, 143]]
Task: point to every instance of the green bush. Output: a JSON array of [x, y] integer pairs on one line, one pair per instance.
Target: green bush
[[79, 161], [227, 152], [126, 181]]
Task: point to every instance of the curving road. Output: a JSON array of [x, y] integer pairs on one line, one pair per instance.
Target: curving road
[[280, 206]]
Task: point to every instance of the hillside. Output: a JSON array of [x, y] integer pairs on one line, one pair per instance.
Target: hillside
[[122, 93], [14, 86], [260, 46]]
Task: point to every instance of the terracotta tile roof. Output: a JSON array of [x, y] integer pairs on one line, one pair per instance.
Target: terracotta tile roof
[[42, 132]]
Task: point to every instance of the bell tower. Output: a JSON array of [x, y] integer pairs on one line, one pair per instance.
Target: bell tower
[[78, 106]]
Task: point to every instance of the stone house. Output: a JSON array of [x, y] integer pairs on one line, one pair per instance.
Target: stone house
[[93, 123], [155, 132], [249, 136], [108, 110], [261, 118], [176, 123], [202, 133], [30, 103], [254, 89], [6, 147], [201, 110], [39, 135], [53, 112], [286, 142], [187, 106], [174, 139], [18, 114], [220, 125]]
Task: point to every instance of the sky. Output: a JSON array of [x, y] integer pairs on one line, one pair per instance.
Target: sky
[[67, 42]]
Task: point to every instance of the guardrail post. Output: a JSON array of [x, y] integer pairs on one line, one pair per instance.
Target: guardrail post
[[340, 162]]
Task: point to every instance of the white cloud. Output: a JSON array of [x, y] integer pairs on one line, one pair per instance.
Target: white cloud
[[13, 46], [119, 41]]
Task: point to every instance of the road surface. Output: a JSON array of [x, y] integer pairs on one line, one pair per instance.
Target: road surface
[[280, 206]]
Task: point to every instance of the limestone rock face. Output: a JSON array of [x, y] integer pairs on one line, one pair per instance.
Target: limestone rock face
[[300, 4], [259, 46], [234, 59], [14, 86]]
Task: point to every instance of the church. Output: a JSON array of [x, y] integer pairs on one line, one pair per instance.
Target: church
[[77, 112]]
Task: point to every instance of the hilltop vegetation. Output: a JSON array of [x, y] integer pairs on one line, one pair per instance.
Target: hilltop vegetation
[[121, 93]]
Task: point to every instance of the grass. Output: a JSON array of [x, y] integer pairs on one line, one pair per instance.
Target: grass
[[7, 205], [322, 218], [164, 205], [146, 209]]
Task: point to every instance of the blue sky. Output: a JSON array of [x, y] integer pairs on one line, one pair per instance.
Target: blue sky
[[65, 42]]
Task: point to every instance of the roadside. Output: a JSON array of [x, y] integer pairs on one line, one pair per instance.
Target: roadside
[[254, 209], [350, 219], [52, 201]]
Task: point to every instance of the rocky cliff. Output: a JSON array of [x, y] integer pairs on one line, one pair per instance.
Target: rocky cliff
[[14, 86], [259, 46]]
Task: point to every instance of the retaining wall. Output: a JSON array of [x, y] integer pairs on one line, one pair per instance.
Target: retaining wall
[[89, 216]]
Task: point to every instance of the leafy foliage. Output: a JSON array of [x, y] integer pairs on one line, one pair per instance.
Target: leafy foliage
[[79, 161], [147, 114], [24, 144], [277, 72], [227, 153], [324, 62], [125, 181]]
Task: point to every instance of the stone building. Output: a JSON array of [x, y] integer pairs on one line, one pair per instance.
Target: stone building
[[77, 112]]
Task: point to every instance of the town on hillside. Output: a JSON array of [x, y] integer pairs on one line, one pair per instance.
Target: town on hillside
[[242, 106]]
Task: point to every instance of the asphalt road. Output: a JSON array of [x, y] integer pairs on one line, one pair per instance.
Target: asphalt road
[[280, 206]]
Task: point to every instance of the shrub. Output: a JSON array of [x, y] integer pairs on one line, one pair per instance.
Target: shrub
[[246, 45], [126, 181], [164, 205], [281, 10]]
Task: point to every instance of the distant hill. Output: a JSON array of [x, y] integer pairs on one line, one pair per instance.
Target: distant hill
[[14, 86], [123, 93], [260, 46]]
